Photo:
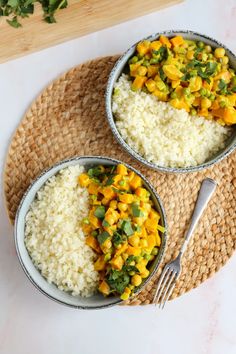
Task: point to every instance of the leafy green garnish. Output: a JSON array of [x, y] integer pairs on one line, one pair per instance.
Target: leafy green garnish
[[112, 169], [222, 84], [95, 171], [103, 237], [162, 53], [105, 223], [198, 51], [127, 227], [118, 280], [137, 228], [100, 212], [129, 268], [22, 8], [118, 238], [130, 259], [14, 22], [209, 71], [136, 211], [110, 180], [186, 77], [162, 74]]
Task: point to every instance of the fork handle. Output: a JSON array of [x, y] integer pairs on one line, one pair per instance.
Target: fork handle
[[207, 189]]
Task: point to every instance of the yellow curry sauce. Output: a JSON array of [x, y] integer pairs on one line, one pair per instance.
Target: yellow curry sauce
[[122, 228], [189, 75]]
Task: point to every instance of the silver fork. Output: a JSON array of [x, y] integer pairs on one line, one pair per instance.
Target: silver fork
[[172, 270]]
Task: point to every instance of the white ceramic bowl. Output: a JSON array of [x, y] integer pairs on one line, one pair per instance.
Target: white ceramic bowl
[[50, 290], [118, 70]]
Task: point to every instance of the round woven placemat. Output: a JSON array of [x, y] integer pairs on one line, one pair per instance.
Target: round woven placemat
[[68, 119]]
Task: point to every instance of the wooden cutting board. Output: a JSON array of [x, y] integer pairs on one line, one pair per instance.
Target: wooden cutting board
[[80, 18]]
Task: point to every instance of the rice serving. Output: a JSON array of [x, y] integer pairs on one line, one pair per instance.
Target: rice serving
[[162, 134], [54, 237]]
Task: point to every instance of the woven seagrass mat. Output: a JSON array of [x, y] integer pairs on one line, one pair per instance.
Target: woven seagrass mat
[[68, 119]]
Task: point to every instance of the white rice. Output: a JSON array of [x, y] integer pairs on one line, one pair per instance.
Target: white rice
[[53, 234], [162, 134]]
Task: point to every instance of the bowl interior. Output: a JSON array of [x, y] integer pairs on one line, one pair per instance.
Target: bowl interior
[[51, 290], [119, 69]]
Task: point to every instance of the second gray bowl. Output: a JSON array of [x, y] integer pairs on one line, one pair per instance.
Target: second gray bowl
[[118, 70]]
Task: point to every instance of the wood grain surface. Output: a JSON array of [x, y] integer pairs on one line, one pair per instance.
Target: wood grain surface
[[78, 19]]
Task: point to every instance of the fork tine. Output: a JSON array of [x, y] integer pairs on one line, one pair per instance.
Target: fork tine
[[169, 288], [161, 284]]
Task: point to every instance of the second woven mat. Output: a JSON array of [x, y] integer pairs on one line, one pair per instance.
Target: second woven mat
[[68, 119]]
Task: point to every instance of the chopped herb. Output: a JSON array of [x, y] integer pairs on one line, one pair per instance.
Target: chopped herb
[[210, 70], [103, 237], [130, 259], [105, 223], [130, 268], [100, 212], [118, 238], [112, 169], [95, 172], [110, 180], [127, 227], [198, 51], [14, 22], [117, 190], [136, 211], [94, 233], [186, 77], [162, 53], [22, 8], [162, 74], [222, 84], [118, 280], [137, 228]]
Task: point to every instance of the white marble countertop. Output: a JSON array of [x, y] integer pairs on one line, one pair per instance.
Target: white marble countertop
[[200, 322]]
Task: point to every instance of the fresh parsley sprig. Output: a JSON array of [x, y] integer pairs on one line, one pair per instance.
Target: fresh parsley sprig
[[23, 8]]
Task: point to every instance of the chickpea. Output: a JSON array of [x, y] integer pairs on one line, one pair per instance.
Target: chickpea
[[225, 60], [145, 273], [205, 103], [122, 206], [142, 70], [208, 48], [200, 44], [136, 280], [113, 204], [219, 53], [155, 251]]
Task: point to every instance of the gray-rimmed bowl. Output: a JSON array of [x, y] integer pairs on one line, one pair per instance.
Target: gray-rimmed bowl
[[118, 70], [50, 290]]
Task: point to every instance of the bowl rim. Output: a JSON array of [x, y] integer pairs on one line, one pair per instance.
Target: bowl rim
[[111, 121], [78, 159]]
